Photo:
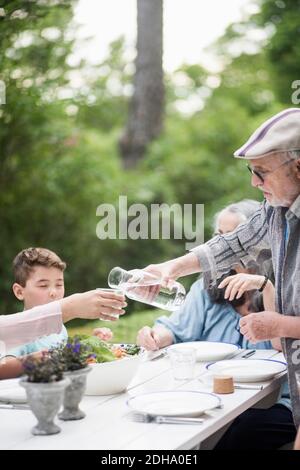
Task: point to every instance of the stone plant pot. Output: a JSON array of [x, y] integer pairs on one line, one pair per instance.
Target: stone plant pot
[[73, 394], [45, 399]]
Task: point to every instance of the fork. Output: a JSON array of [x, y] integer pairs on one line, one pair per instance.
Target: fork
[[148, 418]]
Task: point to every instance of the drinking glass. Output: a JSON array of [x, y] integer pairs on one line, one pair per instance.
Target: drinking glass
[[183, 362]]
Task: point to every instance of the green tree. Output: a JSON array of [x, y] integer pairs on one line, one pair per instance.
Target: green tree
[[145, 118], [281, 19], [102, 102], [33, 51]]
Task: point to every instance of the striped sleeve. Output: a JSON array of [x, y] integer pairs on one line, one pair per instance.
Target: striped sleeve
[[248, 245]]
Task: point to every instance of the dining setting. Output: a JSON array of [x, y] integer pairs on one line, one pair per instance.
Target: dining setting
[[154, 397], [93, 393]]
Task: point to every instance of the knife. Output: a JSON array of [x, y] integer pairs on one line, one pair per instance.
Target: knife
[[248, 354], [249, 387], [13, 406], [175, 420], [157, 355]]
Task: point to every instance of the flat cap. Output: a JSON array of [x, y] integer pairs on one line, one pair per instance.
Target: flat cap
[[279, 133]]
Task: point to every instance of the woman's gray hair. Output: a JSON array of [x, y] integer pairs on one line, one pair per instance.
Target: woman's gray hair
[[243, 209]]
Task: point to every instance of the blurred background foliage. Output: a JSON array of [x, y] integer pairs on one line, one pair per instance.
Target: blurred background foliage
[[59, 156]]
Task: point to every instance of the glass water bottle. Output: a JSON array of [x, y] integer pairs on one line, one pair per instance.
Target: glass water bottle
[[145, 287]]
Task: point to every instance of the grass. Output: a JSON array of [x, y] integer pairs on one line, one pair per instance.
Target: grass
[[125, 330]]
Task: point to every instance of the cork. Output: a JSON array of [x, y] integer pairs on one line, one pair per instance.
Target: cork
[[223, 384]]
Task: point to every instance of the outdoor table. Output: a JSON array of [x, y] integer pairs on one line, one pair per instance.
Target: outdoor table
[[108, 424]]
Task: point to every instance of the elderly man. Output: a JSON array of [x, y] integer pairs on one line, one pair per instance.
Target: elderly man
[[273, 152]]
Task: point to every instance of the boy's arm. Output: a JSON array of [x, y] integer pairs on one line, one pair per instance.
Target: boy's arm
[[27, 326], [10, 368]]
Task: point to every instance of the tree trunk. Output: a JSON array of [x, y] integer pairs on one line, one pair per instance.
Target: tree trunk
[[147, 104]]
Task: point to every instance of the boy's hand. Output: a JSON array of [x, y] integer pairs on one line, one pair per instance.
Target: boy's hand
[[105, 334], [38, 354], [94, 304]]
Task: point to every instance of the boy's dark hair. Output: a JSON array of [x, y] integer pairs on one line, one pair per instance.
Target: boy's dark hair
[[27, 259]]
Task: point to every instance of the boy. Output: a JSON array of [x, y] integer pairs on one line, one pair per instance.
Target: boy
[[39, 279]]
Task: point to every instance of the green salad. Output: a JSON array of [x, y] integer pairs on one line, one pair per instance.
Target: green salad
[[101, 351]]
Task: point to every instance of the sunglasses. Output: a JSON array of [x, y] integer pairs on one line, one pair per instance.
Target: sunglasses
[[262, 175]]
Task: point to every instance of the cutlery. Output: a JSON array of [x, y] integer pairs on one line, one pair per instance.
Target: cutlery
[[148, 418], [249, 387], [248, 354], [13, 406], [158, 355]]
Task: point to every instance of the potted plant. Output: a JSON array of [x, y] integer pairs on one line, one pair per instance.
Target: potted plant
[[74, 357], [44, 384]]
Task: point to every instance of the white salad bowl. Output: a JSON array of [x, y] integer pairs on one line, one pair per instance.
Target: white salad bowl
[[109, 378]]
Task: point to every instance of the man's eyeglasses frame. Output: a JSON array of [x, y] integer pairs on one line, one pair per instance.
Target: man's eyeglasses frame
[[263, 175]]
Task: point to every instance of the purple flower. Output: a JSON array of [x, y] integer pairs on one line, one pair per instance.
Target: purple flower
[[76, 348]]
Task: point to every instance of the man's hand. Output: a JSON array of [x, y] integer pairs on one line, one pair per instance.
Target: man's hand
[[142, 286], [169, 271], [166, 272], [261, 326], [95, 304]]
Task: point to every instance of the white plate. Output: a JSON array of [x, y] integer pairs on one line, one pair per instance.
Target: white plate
[[209, 350], [13, 395], [174, 403], [248, 370]]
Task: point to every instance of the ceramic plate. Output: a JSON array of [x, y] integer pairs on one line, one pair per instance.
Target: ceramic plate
[[12, 394], [209, 350], [248, 370], [174, 403]]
